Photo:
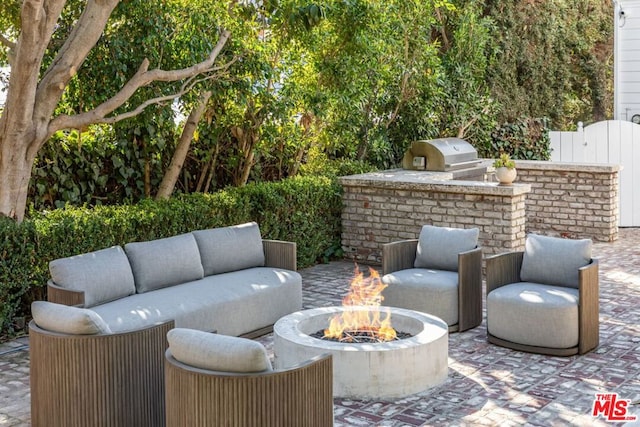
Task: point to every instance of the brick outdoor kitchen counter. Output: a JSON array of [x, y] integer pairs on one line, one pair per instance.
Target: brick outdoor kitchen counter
[[571, 200]]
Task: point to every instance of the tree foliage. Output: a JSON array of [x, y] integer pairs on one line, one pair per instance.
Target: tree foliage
[[313, 80]]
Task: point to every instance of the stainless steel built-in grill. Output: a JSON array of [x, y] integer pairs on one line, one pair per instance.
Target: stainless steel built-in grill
[[440, 155]]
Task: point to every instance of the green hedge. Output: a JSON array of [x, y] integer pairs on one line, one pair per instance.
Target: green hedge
[[305, 210]]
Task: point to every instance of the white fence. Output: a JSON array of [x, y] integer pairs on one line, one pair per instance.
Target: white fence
[[611, 141]]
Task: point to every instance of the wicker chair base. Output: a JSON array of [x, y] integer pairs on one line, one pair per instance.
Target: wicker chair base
[[301, 396], [532, 349], [97, 380]]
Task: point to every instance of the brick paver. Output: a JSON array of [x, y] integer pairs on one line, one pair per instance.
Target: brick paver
[[487, 385]]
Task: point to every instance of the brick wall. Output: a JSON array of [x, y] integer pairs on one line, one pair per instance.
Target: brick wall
[[571, 199], [552, 198], [385, 207]]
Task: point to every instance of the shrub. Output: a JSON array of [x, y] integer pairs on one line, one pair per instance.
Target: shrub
[[524, 139]]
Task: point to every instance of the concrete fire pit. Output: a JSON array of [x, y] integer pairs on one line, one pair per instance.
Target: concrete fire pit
[[384, 370]]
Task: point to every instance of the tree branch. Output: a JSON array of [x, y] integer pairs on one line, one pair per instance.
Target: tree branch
[[84, 36], [142, 78], [8, 43]]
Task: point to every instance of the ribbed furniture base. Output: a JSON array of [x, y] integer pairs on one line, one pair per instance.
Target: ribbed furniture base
[[300, 396], [97, 380], [532, 349]]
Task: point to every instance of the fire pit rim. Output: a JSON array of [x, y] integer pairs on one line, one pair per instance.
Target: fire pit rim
[[290, 325]]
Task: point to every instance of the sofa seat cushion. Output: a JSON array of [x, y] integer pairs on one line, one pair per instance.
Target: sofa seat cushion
[[232, 248], [217, 352], [534, 314], [164, 262], [433, 292], [103, 275], [230, 303], [553, 260], [66, 319], [438, 247]]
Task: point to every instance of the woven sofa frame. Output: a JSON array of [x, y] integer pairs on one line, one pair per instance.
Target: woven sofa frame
[[300, 396], [503, 269], [110, 379], [401, 255]]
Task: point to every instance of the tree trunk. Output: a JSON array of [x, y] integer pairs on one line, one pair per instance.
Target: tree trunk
[[182, 149], [15, 173]]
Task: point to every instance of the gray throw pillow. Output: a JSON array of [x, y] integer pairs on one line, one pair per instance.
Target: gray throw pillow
[[67, 319], [216, 352], [232, 248], [103, 275], [438, 247], [553, 260], [164, 262]]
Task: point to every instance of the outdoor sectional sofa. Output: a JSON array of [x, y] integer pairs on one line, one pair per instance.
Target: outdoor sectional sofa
[[97, 346]]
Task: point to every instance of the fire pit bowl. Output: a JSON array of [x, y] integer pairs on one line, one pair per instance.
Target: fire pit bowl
[[383, 370]]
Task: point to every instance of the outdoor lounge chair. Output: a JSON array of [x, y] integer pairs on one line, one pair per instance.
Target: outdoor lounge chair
[[439, 274], [80, 380], [218, 380], [545, 299]]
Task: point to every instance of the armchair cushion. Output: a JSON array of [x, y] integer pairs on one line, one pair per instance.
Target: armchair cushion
[[217, 352], [164, 262], [103, 275], [230, 248], [433, 292], [67, 319], [553, 260], [438, 247], [534, 314]]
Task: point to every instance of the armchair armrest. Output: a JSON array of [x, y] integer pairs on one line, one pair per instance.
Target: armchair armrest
[[469, 289], [398, 255], [280, 254], [64, 296], [589, 307], [503, 269]]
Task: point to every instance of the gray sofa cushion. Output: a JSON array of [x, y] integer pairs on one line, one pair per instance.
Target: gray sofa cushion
[[433, 292], [67, 319], [164, 262], [230, 248], [438, 247], [231, 303], [217, 352], [103, 275], [534, 314], [553, 260]]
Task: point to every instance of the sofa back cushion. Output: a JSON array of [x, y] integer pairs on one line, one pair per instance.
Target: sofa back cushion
[[67, 319], [232, 248], [103, 275], [164, 262], [554, 260], [215, 352], [438, 247]]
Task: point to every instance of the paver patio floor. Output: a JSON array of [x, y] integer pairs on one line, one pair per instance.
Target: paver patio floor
[[487, 385]]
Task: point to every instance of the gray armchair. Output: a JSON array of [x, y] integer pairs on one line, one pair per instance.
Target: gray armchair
[[216, 380], [440, 273], [545, 299]]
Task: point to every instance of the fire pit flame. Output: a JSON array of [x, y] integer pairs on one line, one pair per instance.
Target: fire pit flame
[[358, 326]]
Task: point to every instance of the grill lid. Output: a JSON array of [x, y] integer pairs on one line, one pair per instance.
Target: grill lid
[[444, 154]]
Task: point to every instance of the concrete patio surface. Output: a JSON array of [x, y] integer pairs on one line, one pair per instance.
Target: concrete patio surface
[[487, 385]]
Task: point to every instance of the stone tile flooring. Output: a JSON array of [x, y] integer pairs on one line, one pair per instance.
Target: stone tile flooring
[[487, 385]]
